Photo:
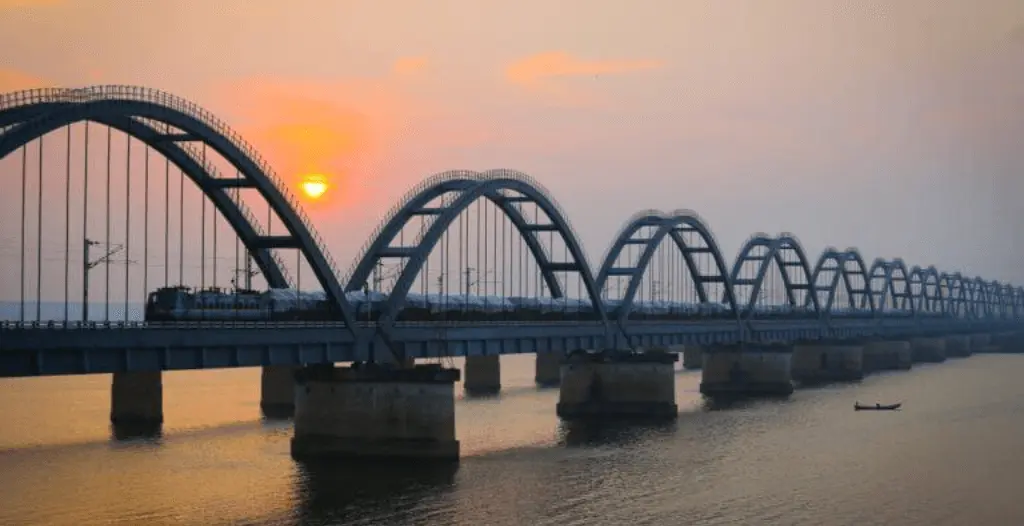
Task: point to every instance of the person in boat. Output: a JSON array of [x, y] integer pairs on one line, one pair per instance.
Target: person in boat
[[878, 406]]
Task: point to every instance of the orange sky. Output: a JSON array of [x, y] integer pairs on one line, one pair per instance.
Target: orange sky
[[889, 126]]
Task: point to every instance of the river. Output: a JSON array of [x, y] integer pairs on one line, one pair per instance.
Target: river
[[952, 456]]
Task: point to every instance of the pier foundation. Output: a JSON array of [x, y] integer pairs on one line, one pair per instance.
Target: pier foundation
[[483, 375], [693, 357], [929, 350], [369, 411], [888, 355], [959, 346], [277, 391], [1004, 342], [827, 362], [548, 372], [757, 370], [980, 341], [137, 399], [618, 384]]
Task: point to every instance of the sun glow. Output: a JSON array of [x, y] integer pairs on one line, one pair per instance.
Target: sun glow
[[314, 186]]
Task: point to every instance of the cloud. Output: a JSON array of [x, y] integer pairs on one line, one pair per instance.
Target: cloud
[[14, 4], [535, 69], [14, 80], [541, 72], [407, 66]]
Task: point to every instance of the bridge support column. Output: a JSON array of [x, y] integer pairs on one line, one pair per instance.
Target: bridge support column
[[614, 384], [483, 374], [277, 391], [820, 363], [369, 411], [932, 350], [888, 355], [761, 370], [1004, 342], [959, 346], [693, 357], [980, 341], [548, 372], [137, 399]]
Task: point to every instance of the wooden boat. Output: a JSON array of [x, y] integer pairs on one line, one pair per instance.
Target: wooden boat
[[877, 407]]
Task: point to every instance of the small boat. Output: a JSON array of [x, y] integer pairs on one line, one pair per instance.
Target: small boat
[[877, 407]]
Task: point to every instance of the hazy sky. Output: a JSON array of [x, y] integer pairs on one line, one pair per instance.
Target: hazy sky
[[890, 126]]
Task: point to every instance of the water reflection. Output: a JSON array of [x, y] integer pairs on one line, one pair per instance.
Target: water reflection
[[343, 491], [132, 432], [618, 432]]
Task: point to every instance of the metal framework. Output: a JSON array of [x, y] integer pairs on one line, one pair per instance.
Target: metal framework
[[503, 188], [889, 282], [840, 263], [169, 125], [672, 225], [925, 292], [28, 115], [775, 250]]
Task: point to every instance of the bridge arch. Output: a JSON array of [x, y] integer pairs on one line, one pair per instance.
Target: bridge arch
[[27, 115], [883, 278], [925, 292], [671, 226], [488, 185], [955, 293], [773, 250], [839, 262]]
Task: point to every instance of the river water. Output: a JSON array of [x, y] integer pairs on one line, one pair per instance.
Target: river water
[[951, 457]]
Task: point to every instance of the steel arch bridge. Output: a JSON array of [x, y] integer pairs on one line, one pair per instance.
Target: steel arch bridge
[[838, 285]]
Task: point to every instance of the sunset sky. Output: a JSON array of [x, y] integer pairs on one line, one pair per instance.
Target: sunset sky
[[891, 126]]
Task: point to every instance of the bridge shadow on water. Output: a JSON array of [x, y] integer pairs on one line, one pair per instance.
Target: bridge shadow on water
[[337, 492], [618, 432]]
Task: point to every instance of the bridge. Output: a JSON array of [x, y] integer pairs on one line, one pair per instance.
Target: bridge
[[474, 264]]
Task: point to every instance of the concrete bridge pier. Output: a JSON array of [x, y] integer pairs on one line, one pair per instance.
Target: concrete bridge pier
[[618, 384], [928, 350], [980, 341], [1004, 342], [483, 375], [827, 362], [137, 400], [888, 355], [277, 391], [548, 371], [959, 346], [693, 357], [376, 412], [747, 370]]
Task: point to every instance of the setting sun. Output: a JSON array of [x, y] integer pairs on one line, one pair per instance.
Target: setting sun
[[314, 186]]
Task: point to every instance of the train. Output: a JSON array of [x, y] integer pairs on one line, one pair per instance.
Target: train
[[180, 303]]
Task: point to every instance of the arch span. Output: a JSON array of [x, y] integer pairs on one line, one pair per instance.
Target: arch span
[[672, 226], [35, 113], [925, 292], [840, 263], [883, 278], [488, 185], [774, 250], [955, 294]]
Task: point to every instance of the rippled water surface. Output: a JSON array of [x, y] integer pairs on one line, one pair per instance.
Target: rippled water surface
[[953, 456]]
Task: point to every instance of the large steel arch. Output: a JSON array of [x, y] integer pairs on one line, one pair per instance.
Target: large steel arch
[[127, 108], [888, 274], [925, 292], [977, 297], [774, 249], [955, 293], [842, 273], [494, 181], [413, 205], [190, 163], [672, 226]]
